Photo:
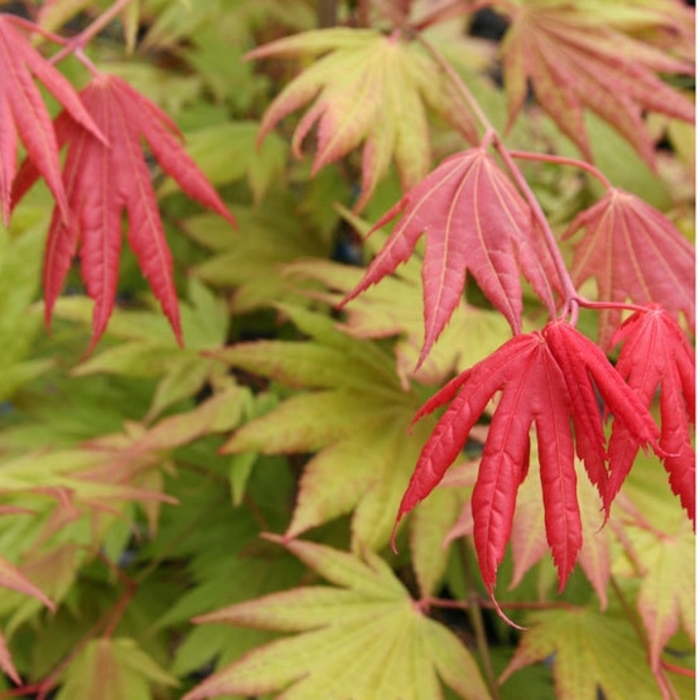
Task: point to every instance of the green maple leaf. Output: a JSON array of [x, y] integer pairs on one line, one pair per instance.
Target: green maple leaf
[[268, 238], [261, 166], [368, 87], [362, 638], [148, 350], [354, 414], [593, 653]]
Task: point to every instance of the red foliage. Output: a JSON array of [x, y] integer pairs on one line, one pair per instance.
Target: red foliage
[[101, 182], [548, 379]]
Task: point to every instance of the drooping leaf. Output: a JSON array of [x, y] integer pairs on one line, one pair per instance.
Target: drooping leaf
[[475, 222], [362, 638], [633, 252], [23, 111], [367, 87], [592, 652], [656, 355], [102, 183], [533, 373], [576, 60]]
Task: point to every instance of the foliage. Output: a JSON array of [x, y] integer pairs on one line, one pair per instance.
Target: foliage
[[203, 464]]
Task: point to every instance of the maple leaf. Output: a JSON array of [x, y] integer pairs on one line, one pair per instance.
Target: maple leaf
[[101, 182], [577, 61], [475, 221], [369, 87], [657, 355], [540, 384], [633, 252], [23, 111], [363, 638], [592, 653]]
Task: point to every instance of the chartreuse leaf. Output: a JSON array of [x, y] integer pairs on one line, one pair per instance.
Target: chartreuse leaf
[[368, 87], [362, 638], [593, 653], [356, 418], [211, 149], [147, 349], [20, 261], [233, 19], [112, 669], [268, 238]]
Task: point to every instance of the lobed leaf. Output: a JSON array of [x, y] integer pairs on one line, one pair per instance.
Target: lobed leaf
[[362, 638], [656, 355], [101, 183], [475, 222], [539, 385], [576, 60], [367, 87], [633, 252]]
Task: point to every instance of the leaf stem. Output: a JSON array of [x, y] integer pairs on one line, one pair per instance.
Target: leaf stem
[[475, 616], [563, 160], [623, 306], [92, 30], [570, 295]]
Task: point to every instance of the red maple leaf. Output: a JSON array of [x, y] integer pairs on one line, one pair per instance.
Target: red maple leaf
[[101, 183], [23, 111], [475, 221], [656, 354], [633, 252], [539, 385]]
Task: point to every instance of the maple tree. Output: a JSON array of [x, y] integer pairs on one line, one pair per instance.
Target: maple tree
[[389, 285]]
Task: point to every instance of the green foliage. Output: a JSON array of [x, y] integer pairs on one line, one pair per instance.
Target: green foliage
[[213, 519]]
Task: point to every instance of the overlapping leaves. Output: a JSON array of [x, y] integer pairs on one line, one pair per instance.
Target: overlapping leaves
[[575, 60], [367, 87], [549, 379], [104, 181], [364, 637]]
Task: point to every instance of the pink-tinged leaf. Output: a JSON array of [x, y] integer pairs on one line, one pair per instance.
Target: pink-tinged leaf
[[371, 88], [23, 112], [6, 662], [102, 182], [577, 60], [475, 222], [663, 597], [633, 252], [656, 355], [11, 577]]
